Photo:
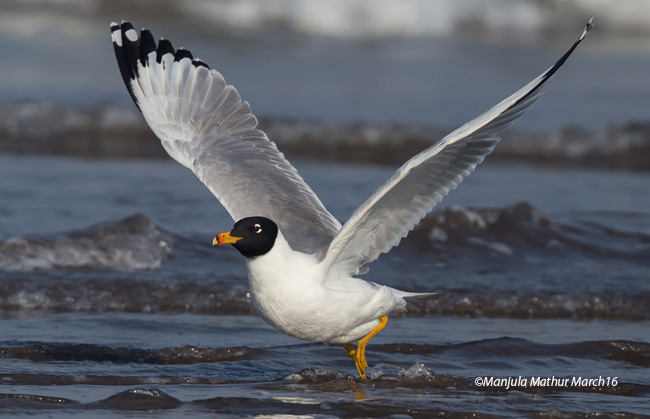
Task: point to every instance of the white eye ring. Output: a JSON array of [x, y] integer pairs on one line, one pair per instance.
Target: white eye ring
[[257, 228]]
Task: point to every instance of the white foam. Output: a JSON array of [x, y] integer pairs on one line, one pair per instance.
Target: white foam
[[371, 19], [379, 18]]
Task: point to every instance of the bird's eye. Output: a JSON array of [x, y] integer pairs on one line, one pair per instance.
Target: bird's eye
[[257, 228]]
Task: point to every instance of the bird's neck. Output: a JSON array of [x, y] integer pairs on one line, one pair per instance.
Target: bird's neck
[[273, 262]]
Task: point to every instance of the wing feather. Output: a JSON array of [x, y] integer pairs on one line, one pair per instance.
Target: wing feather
[[204, 125], [392, 211]]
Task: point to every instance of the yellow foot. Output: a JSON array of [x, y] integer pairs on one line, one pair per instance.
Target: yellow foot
[[353, 354], [350, 350], [359, 355]]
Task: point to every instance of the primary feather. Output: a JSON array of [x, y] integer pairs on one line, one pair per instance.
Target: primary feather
[[204, 125], [388, 215]]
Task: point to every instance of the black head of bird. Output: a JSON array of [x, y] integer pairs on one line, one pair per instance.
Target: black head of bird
[[252, 236]]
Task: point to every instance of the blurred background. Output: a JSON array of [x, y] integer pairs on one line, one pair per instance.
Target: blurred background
[[339, 73]]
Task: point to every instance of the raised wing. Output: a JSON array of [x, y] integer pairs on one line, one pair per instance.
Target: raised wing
[[421, 183], [204, 125]]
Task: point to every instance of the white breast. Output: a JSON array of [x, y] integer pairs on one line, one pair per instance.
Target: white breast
[[293, 293]]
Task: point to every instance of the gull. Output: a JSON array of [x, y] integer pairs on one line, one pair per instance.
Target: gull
[[304, 266]]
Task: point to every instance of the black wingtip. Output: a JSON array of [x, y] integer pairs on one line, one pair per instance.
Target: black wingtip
[[131, 48], [559, 63], [126, 44], [126, 25], [164, 47], [130, 36], [147, 45], [199, 63], [562, 60], [182, 53]]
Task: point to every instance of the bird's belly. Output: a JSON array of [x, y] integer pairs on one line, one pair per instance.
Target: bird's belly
[[315, 325], [317, 313]]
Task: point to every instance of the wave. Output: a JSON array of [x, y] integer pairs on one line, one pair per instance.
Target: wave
[[502, 230], [155, 296], [137, 243], [636, 353], [114, 131], [155, 400], [382, 375], [632, 352], [541, 305], [48, 352], [613, 147], [497, 19], [133, 243], [134, 265], [137, 381]]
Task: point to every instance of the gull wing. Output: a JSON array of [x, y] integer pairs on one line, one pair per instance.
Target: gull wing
[[388, 215], [204, 125]]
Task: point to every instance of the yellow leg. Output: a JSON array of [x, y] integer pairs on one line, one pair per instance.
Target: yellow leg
[[359, 356], [353, 354]]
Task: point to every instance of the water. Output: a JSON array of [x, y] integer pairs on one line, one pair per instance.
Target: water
[[140, 313], [448, 63], [201, 365], [114, 303]]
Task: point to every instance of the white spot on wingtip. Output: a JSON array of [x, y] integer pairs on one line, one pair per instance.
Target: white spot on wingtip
[[113, 24], [132, 35], [117, 37]]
